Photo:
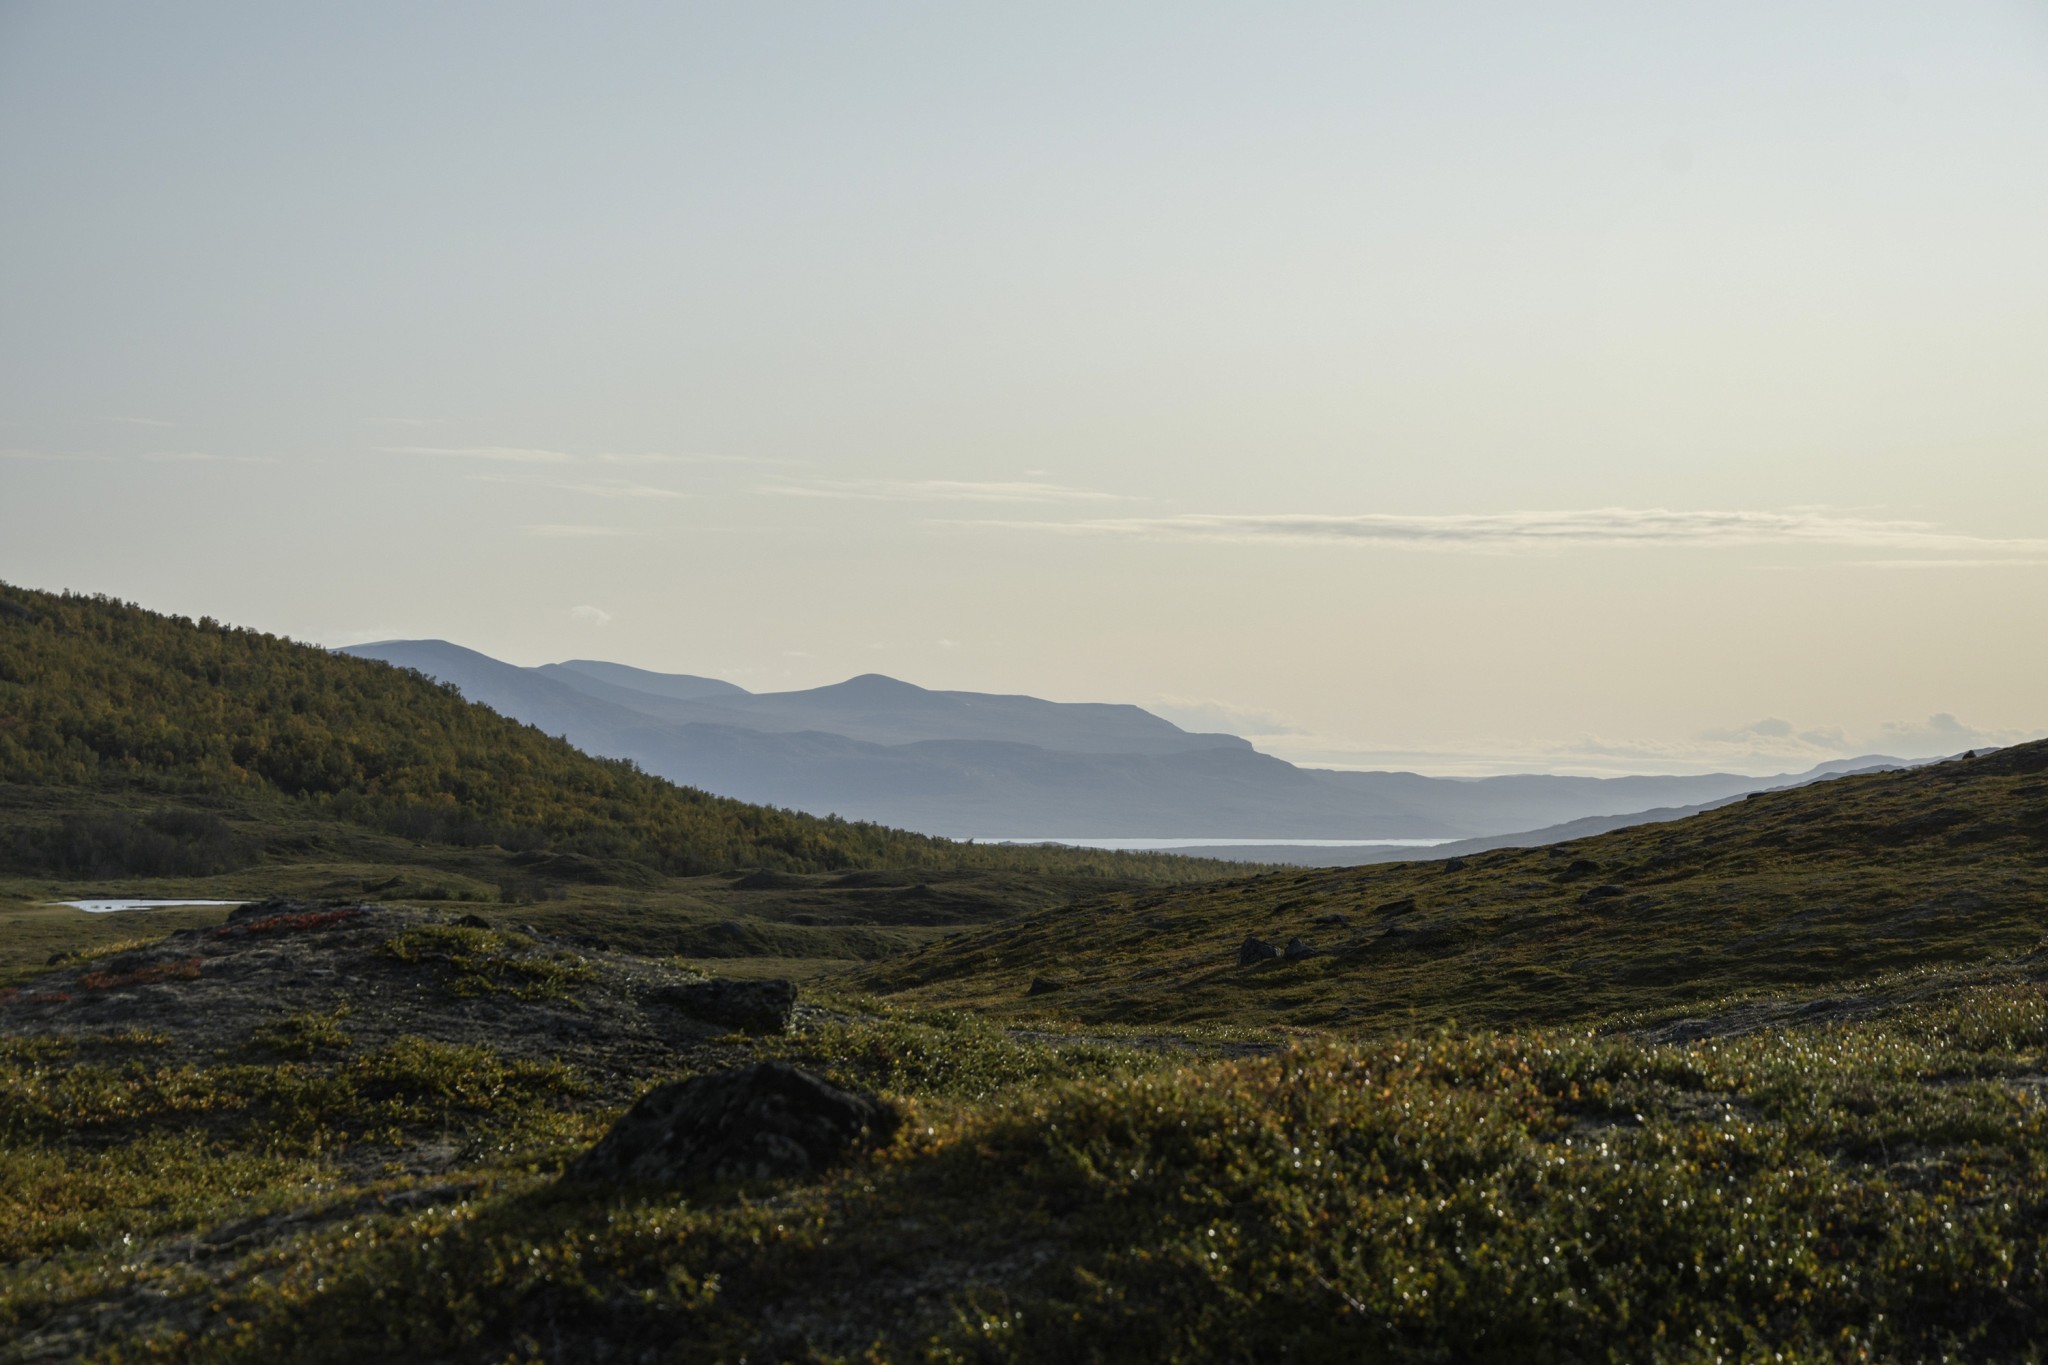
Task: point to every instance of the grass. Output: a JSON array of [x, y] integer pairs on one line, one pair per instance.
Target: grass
[[482, 961], [1787, 891], [1874, 1189], [812, 919], [1763, 1085]]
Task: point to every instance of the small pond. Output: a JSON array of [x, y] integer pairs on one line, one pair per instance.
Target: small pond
[[1136, 845], [104, 907]]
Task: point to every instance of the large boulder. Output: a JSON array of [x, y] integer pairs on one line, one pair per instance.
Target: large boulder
[[749, 1006], [1255, 949], [768, 1121]]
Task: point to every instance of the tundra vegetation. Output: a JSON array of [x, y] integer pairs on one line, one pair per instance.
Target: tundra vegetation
[[1762, 1084]]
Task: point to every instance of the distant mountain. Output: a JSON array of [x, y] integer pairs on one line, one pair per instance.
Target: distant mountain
[[675, 686], [981, 765], [870, 708]]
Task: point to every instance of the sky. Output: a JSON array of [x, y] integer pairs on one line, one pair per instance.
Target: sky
[[1462, 387]]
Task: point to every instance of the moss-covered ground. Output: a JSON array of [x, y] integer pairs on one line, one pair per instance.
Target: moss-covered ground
[[1786, 891], [1842, 1188], [1765, 1084]]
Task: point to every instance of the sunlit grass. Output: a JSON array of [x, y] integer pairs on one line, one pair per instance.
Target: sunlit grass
[[1860, 1189]]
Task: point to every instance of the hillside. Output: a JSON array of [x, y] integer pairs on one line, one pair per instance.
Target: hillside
[[141, 744], [1830, 882]]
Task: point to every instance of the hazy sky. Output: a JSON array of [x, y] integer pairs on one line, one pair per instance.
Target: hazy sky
[[1461, 387]]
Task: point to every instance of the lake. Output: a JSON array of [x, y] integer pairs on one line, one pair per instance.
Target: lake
[[1135, 845], [109, 906]]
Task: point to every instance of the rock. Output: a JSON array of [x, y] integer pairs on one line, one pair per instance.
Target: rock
[[1334, 921], [1255, 950], [750, 1006], [1601, 893], [769, 1121], [55, 958], [1399, 907], [1580, 867], [1297, 949], [471, 922], [1454, 864], [1045, 985]]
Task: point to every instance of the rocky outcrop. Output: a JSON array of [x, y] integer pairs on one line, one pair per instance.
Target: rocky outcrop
[[748, 1006], [769, 1121]]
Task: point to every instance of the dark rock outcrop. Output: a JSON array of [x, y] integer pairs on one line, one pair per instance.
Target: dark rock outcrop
[[1298, 948], [1045, 985], [1399, 907], [749, 1006], [1255, 949], [768, 1121], [1454, 864], [1334, 921], [1581, 867]]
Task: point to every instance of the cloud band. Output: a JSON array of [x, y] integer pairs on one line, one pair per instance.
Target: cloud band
[[1514, 532]]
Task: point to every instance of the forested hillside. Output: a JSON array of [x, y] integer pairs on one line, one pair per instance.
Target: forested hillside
[[102, 697]]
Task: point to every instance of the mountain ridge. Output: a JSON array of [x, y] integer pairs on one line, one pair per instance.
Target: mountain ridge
[[988, 765]]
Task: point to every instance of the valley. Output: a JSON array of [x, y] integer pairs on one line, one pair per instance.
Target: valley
[[1700, 1088]]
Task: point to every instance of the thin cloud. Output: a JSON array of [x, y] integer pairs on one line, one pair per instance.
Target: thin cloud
[[1948, 563], [560, 531], [541, 455], [660, 458], [1516, 532], [509, 454], [936, 490], [590, 616], [618, 490], [595, 490], [200, 457]]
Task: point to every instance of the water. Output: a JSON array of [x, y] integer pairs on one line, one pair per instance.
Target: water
[[106, 907], [1142, 845]]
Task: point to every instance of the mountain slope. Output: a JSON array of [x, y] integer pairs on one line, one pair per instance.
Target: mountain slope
[[100, 699], [1824, 883], [674, 686]]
